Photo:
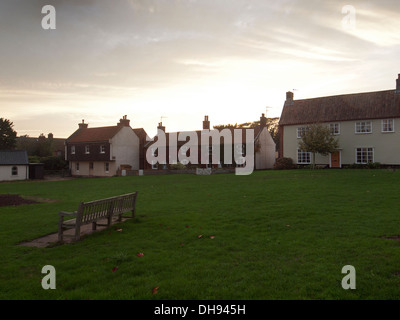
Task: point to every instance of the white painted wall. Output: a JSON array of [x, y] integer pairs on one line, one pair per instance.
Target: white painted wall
[[6, 175], [125, 148], [386, 145]]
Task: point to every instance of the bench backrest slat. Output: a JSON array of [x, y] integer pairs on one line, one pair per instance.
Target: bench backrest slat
[[97, 209]]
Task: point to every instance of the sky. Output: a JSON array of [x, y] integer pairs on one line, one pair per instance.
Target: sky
[[176, 61]]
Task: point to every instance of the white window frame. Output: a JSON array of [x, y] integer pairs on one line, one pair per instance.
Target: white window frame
[[87, 150], [385, 122], [361, 125], [102, 149], [72, 149], [367, 150], [14, 171], [106, 167], [335, 128], [301, 131], [308, 156], [77, 166]]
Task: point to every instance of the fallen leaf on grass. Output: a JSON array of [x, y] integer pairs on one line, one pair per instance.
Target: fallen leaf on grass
[[200, 236], [114, 269], [118, 230], [212, 237], [181, 243], [140, 254], [155, 290]]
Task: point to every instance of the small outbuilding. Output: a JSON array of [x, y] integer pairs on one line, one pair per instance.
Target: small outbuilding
[[36, 171], [14, 165]]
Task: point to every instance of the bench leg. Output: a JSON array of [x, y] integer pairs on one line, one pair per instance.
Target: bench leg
[[94, 225], [77, 233]]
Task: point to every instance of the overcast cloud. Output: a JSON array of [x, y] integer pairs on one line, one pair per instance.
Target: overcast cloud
[[185, 58]]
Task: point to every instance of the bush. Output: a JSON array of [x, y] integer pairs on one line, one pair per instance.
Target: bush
[[370, 165], [177, 166], [284, 164], [54, 163]]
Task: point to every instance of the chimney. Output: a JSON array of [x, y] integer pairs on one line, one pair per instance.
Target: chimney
[[289, 98], [398, 84], [83, 125], [161, 127], [263, 121], [124, 122], [50, 136], [206, 123]]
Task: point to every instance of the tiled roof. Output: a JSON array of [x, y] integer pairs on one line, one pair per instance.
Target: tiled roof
[[94, 134], [359, 106], [17, 157]]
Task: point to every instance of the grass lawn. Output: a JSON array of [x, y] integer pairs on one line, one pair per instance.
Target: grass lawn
[[270, 235]]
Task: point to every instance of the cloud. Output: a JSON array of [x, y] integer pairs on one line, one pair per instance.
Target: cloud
[[145, 52]]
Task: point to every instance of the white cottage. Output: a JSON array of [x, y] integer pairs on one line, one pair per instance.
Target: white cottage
[[14, 165]]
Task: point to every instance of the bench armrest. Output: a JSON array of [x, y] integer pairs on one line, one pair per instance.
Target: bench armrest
[[67, 214]]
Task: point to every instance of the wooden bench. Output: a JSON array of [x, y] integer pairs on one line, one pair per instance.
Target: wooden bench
[[93, 211]]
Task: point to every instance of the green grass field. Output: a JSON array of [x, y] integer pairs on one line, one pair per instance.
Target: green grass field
[[270, 235]]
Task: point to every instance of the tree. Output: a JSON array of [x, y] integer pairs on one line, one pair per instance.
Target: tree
[[272, 124], [8, 137], [317, 138]]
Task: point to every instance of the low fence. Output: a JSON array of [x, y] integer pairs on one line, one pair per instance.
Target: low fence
[[197, 171]]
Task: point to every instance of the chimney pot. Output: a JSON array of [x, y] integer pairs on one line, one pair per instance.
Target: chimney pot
[[83, 125], [206, 123], [161, 127], [263, 121], [124, 121], [289, 97]]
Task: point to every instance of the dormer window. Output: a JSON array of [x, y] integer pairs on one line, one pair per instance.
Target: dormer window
[[72, 149], [103, 149], [87, 150]]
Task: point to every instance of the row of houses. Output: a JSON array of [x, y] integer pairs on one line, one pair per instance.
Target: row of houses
[[366, 125], [115, 150]]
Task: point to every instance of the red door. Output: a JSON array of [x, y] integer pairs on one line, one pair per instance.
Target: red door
[[335, 160]]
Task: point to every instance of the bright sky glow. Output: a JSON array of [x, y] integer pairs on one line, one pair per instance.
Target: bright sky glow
[[183, 59]]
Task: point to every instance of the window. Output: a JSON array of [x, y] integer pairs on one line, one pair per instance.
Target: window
[[77, 167], [91, 165], [102, 149], [364, 127], [364, 155], [388, 125], [303, 157], [87, 149], [14, 171], [72, 149], [301, 131], [335, 128], [107, 167]]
